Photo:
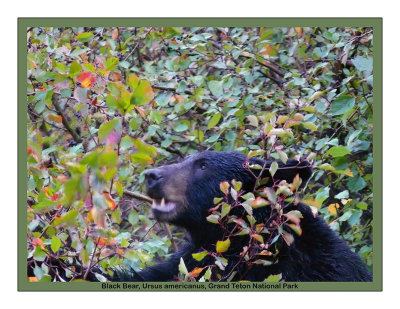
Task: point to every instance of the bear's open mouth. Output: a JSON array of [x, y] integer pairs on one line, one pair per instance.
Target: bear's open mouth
[[163, 205]]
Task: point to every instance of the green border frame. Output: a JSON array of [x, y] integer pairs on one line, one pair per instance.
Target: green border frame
[[376, 23]]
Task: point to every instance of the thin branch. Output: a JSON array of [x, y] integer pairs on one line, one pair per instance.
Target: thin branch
[[91, 260], [137, 45], [66, 124], [173, 243], [138, 196]]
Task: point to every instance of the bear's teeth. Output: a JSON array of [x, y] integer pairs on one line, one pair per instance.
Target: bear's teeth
[[154, 203], [162, 202]]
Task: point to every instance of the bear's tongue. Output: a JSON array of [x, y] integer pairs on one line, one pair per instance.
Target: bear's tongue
[[163, 206]]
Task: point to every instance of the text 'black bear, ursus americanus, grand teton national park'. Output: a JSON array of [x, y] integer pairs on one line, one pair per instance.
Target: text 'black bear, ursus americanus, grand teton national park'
[[184, 195]]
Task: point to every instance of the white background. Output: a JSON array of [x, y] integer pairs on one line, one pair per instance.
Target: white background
[[11, 10]]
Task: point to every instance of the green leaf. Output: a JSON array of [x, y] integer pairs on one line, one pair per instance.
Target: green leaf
[[282, 155], [74, 69], [111, 63], [343, 194], [253, 120], [355, 217], [226, 208], [156, 116], [141, 158], [106, 128], [273, 168], [214, 120], [274, 278], [310, 125], [181, 127], [215, 87], [342, 105], [362, 63], [67, 217], [144, 148], [143, 93], [338, 151], [55, 244], [362, 205], [271, 194], [182, 267], [84, 36], [108, 159], [200, 255], [356, 184], [213, 219]]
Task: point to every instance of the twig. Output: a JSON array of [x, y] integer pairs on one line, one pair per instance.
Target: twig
[[137, 44], [167, 229], [138, 196], [66, 124], [91, 260]]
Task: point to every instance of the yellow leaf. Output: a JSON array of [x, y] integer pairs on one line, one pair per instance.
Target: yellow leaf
[[223, 246], [332, 208], [349, 173]]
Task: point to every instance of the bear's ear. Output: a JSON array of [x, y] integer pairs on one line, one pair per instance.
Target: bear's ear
[[287, 171]]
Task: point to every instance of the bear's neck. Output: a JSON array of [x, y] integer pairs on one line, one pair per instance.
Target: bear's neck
[[207, 236]]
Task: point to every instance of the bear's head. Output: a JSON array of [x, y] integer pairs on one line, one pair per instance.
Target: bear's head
[[183, 193]]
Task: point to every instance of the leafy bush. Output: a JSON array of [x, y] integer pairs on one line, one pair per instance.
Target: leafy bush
[[106, 104]]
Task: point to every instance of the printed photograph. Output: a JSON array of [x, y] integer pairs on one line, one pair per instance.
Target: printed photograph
[[199, 154]]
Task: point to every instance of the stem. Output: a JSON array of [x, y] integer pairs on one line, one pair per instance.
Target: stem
[[66, 124]]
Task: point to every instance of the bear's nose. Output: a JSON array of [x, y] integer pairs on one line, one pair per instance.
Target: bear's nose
[[152, 178]]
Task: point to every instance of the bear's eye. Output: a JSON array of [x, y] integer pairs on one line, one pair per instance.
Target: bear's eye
[[203, 166]]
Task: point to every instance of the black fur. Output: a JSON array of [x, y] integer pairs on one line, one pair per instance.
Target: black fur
[[317, 255]]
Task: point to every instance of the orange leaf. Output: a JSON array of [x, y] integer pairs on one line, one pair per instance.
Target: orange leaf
[[141, 112], [114, 76], [179, 98], [38, 242], [110, 202], [258, 237], [54, 118], [195, 272], [268, 49], [115, 34], [299, 31], [33, 279]]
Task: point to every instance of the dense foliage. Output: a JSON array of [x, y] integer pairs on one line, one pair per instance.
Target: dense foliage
[[105, 104]]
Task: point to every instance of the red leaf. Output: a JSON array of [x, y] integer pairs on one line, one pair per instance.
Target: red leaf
[[86, 78]]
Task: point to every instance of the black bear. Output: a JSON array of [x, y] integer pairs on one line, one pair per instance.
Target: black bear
[[183, 194]]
